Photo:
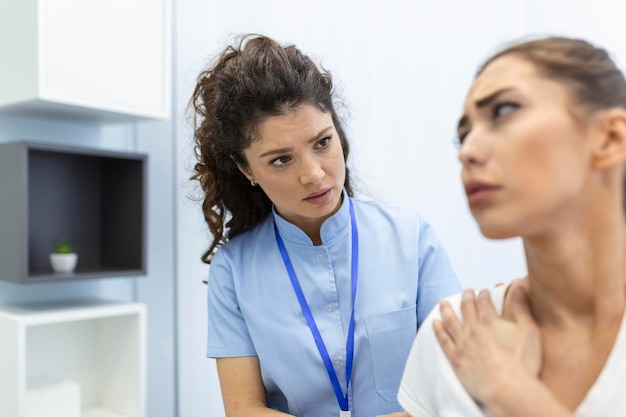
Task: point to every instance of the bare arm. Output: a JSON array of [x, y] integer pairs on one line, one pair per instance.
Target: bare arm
[[242, 388], [524, 396], [498, 360], [243, 391]]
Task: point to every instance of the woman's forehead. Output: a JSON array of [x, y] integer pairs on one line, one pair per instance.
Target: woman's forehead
[[507, 71]]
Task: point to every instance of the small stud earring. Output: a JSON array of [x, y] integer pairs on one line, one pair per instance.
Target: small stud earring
[[252, 182]]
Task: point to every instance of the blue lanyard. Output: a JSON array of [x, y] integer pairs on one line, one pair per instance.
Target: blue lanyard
[[321, 347]]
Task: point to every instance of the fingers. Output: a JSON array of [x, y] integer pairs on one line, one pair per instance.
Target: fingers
[[450, 321], [472, 309], [445, 341], [468, 306], [447, 329], [486, 310]]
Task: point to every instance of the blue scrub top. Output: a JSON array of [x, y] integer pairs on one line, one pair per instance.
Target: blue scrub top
[[253, 309]]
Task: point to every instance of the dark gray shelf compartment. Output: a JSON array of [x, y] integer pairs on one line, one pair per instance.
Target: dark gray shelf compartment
[[95, 198]]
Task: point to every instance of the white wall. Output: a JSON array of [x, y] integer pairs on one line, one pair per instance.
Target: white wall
[[404, 67]]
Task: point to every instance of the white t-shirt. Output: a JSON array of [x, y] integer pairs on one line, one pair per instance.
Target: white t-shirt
[[430, 388]]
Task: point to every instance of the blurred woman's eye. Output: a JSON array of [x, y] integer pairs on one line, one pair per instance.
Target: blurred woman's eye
[[280, 161], [460, 138], [502, 109]]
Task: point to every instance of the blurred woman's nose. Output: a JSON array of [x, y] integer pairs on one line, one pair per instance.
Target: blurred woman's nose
[[473, 150], [311, 171]]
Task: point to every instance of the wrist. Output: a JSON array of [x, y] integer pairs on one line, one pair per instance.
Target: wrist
[[502, 396], [521, 394]]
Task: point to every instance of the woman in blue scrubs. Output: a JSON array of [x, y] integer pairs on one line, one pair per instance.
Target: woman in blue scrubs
[[314, 297]]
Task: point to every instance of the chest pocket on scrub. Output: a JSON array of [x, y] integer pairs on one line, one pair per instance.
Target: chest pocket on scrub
[[390, 335]]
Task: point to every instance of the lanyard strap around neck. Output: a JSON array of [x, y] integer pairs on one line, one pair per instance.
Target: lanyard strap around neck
[[321, 347]]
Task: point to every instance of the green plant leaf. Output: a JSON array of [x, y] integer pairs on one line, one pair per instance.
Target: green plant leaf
[[63, 246]]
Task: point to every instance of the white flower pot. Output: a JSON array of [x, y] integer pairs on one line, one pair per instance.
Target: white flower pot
[[63, 263]]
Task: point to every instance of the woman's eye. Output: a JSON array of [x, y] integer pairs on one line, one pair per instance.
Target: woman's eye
[[503, 109], [280, 161], [460, 138], [324, 143]]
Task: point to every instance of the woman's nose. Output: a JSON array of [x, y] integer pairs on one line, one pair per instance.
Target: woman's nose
[[312, 171], [474, 150]]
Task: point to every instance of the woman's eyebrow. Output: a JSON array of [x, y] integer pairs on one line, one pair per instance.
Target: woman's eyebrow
[[481, 103], [285, 150], [486, 101]]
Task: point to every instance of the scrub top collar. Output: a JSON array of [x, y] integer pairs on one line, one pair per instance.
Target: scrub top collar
[[333, 227]]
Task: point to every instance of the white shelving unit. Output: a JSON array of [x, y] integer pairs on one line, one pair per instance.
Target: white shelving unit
[[98, 345], [107, 60]]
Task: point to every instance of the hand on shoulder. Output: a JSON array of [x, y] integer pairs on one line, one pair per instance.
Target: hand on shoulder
[[484, 348]]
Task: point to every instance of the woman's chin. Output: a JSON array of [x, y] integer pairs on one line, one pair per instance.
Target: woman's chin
[[497, 231]]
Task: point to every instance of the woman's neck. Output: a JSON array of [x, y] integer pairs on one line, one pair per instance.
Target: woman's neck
[[313, 232], [312, 227], [577, 275]]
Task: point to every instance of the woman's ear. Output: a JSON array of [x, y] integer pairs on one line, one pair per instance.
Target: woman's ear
[[609, 141], [245, 171], [242, 168]]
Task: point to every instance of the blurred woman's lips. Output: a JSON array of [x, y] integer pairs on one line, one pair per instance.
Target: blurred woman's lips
[[478, 191]]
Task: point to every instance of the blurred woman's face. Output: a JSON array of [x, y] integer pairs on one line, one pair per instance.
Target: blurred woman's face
[[523, 152]]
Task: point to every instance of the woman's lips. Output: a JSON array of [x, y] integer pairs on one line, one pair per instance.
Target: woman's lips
[[319, 197], [478, 191]]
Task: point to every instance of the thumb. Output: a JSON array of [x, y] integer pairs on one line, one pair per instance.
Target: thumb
[[520, 305]]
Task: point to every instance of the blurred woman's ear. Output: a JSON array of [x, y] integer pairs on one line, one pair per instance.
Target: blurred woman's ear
[[609, 139]]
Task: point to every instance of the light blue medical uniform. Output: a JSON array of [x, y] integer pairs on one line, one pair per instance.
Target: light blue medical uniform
[[253, 310]]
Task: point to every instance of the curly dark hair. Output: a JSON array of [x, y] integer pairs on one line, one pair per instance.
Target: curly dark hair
[[250, 81]]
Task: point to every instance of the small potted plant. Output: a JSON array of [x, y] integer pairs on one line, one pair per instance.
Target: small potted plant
[[63, 259]]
